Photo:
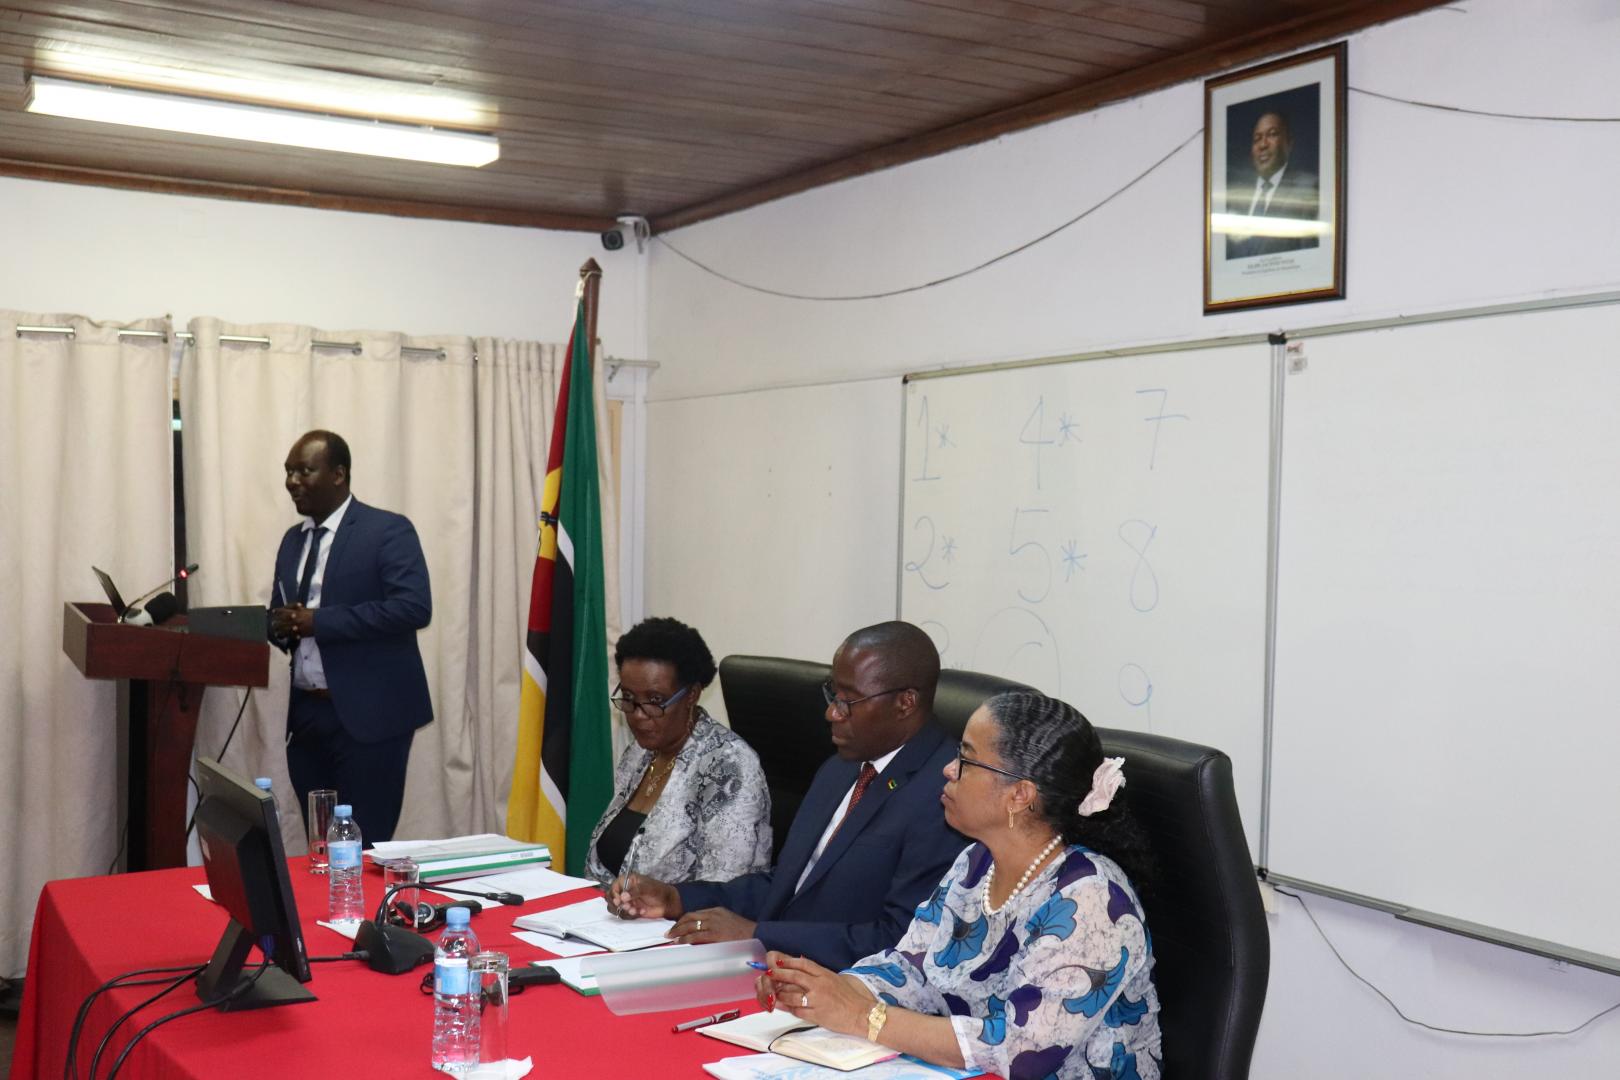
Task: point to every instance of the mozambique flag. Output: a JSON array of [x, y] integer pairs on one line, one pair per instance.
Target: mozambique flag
[[562, 778]]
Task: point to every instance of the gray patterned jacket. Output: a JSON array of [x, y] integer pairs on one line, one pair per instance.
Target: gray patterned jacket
[[712, 821]]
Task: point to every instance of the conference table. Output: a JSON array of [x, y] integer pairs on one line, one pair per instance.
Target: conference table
[[364, 1025]]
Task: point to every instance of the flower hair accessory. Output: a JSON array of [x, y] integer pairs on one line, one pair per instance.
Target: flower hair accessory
[[1108, 779]]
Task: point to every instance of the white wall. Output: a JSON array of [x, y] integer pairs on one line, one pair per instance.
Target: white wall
[[1444, 211], [116, 255]]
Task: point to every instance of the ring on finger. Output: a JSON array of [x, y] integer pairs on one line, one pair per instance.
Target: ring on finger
[[805, 1003], [699, 924]]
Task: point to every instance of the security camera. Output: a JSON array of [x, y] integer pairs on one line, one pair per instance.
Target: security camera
[[630, 225]]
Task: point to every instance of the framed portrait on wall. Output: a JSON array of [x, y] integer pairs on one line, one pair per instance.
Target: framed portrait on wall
[[1274, 165]]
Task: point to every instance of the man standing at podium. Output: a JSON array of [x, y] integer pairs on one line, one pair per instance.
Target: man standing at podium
[[350, 593]]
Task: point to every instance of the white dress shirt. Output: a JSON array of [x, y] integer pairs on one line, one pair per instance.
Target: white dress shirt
[[879, 764], [1263, 194], [308, 674]]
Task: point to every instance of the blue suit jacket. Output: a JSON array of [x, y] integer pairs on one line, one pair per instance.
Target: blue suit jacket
[[886, 857], [374, 598]]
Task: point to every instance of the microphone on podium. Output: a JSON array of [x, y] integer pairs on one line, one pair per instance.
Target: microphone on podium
[[162, 607]]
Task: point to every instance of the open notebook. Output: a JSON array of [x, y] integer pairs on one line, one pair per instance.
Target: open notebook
[[590, 920], [783, 1033], [776, 1067]]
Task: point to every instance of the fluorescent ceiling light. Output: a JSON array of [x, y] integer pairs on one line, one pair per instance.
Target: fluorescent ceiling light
[[257, 123]]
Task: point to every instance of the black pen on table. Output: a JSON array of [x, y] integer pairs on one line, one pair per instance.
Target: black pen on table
[[705, 1021]]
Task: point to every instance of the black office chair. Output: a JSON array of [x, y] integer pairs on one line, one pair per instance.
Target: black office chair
[[775, 704], [1211, 945], [961, 692]]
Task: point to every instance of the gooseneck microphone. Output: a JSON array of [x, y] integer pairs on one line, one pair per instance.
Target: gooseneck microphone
[[394, 950], [162, 608]]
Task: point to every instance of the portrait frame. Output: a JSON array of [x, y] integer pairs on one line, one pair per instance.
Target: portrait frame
[[1274, 189]]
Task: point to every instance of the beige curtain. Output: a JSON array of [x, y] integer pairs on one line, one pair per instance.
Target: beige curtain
[[459, 446], [84, 478], [408, 418]]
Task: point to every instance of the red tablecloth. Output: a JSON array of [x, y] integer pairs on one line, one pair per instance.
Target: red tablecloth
[[365, 1025]]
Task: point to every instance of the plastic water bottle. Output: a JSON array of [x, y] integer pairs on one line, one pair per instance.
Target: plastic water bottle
[[265, 785], [346, 896], [455, 996]]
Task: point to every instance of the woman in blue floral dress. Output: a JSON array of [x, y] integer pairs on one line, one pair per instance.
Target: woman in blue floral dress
[[1032, 958]]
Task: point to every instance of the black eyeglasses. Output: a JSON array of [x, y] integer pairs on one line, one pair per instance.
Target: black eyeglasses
[[841, 707], [627, 704], [962, 759]]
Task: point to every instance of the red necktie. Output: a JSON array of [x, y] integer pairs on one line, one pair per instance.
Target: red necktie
[[862, 782]]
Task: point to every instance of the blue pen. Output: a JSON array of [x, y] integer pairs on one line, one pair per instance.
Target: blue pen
[[757, 966]]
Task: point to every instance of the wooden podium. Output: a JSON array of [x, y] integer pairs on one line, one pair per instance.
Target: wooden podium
[[162, 672]]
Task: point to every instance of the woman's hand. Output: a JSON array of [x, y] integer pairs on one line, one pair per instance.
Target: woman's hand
[[637, 896], [812, 992]]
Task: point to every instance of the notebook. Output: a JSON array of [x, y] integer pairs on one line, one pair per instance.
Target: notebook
[[777, 1067], [591, 921], [783, 1033]]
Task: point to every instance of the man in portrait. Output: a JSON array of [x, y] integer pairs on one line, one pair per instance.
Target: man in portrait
[[1279, 187]]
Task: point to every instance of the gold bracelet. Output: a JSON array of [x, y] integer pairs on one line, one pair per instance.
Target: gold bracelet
[[876, 1019]]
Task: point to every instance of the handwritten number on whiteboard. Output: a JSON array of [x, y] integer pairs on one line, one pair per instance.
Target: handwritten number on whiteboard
[[1037, 419], [1158, 420], [1144, 582], [1033, 547], [927, 437], [925, 522]]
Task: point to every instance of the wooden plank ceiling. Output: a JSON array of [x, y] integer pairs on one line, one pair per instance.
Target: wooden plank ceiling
[[677, 110]]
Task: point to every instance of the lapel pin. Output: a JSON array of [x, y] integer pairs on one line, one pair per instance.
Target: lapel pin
[[892, 784]]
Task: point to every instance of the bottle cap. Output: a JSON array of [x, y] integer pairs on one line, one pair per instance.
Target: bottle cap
[[263, 783], [456, 918], [343, 809]]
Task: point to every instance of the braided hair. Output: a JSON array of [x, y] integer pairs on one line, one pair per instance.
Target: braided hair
[[1052, 744]]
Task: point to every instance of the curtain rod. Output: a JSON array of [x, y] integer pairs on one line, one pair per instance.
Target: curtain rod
[[614, 363], [188, 338]]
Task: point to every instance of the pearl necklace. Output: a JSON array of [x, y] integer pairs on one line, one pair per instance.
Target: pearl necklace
[[990, 879]]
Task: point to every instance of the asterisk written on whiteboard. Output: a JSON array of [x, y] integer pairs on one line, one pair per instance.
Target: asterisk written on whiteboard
[[948, 551], [1073, 559], [945, 436], [1068, 429]]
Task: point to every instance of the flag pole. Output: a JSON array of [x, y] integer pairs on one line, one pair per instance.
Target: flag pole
[[590, 277]]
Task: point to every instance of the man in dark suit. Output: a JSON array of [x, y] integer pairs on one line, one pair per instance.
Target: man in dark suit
[[350, 593], [1281, 189], [869, 841]]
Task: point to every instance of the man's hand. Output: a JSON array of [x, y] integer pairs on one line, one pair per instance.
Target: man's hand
[[292, 623], [637, 896], [711, 925]]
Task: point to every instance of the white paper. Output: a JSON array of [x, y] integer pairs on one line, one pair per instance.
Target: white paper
[[568, 969], [500, 1070], [530, 882], [204, 891], [556, 945], [399, 849], [347, 927]]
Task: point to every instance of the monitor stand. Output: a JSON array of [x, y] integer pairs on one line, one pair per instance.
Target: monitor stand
[[271, 987]]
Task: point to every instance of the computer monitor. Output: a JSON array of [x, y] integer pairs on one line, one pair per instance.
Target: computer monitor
[[240, 835]]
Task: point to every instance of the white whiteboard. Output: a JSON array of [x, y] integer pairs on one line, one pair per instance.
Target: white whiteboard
[[1097, 529], [764, 533], [1448, 660]]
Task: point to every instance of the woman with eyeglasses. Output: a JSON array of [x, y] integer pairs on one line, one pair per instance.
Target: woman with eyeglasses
[[1032, 957], [689, 798]]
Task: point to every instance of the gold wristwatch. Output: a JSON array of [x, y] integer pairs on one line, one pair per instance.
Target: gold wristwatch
[[875, 1020]]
